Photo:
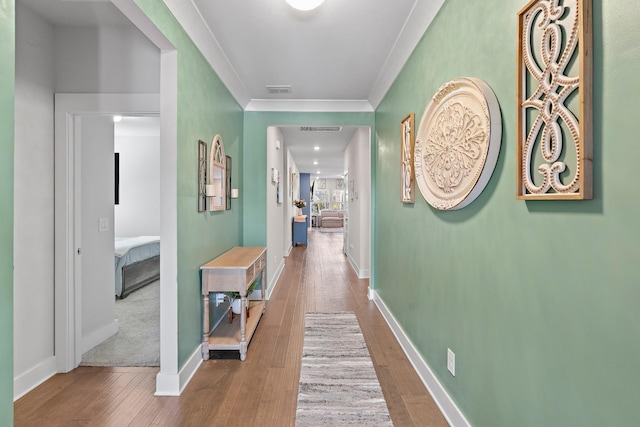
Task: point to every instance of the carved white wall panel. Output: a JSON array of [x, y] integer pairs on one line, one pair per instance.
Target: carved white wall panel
[[554, 100], [458, 143], [407, 144]]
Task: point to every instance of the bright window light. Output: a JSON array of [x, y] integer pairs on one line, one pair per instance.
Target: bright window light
[[117, 118], [304, 4]]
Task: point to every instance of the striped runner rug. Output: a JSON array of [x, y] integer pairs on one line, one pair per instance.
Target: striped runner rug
[[338, 383]]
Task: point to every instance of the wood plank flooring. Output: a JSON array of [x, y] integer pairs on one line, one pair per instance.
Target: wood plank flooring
[[262, 391]]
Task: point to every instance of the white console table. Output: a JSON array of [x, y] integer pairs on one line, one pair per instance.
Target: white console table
[[233, 271]]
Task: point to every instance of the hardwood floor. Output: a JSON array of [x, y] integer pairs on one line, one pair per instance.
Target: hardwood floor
[[263, 389]]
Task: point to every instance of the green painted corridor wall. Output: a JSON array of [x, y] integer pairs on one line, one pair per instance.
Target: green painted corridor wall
[[7, 82], [539, 299], [205, 108]]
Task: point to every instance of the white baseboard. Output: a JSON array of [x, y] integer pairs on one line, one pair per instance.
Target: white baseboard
[[274, 280], [98, 336], [27, 381], [449, 409], [362, 273], [174, 384]]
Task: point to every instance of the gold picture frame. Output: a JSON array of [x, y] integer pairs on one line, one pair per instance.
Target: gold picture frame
[[407, 147], [554, 101]]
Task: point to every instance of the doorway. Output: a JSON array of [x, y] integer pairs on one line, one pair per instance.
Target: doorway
[[120, 162], [67, 107], [285, 153]]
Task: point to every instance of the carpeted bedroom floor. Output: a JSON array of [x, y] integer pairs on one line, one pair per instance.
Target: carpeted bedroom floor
[[137, 342]]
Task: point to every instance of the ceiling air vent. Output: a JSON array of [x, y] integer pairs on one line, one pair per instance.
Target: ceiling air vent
[[278, 89], [320, 128]]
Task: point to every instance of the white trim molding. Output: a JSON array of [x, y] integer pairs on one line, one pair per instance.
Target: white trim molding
[[174, 384], [87, 342], [417, 23], [191, 20], [27, 381], [194, 25], [362, 273], [274, 281], [449, 409]]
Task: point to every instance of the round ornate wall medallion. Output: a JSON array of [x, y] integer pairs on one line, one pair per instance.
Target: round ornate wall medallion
[[457, 143]]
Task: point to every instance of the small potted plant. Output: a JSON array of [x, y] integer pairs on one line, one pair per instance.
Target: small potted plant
[[300, 203], [235, 301]]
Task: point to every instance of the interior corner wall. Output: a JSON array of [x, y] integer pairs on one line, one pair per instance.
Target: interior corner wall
[[90, 59], [276, 251], [7, 82], [205, 108], [292, 192], [359, 250], [33, 201], [537, 299]]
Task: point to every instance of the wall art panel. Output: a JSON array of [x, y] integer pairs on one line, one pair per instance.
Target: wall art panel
[[407, 144], [554, 100], [458, 143]]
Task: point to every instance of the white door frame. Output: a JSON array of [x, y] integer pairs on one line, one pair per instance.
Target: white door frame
[[168, 380]]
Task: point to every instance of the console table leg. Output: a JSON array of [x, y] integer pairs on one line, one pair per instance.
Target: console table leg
[[205, 327]]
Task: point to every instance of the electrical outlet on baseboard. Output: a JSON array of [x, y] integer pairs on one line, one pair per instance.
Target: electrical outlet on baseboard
[[451, 362]]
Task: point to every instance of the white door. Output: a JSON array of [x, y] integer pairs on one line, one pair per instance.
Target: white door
[[95, 275]]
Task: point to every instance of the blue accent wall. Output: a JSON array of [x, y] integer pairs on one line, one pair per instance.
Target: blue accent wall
[[305, 193]]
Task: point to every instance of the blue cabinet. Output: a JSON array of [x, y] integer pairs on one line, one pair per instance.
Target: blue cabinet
[[300, 230]]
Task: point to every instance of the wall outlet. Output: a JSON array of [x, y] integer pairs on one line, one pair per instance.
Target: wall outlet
[[451, 362], [104, 224]]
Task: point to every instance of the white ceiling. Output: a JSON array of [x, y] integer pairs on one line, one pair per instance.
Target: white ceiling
[[343, 56]]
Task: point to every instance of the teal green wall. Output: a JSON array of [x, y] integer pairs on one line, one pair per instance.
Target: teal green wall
[[205, 108], [539, 299], [7, 80], [254, 188]]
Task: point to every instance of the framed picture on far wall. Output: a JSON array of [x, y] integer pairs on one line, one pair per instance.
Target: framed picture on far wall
[[339, 184], [322, 184]]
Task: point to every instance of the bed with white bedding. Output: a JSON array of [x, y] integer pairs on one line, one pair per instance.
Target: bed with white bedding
[[137, 263]]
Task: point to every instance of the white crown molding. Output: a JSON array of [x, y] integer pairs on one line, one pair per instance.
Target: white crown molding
[[194, 25], [131, 10], [310, 105], [417, 23]]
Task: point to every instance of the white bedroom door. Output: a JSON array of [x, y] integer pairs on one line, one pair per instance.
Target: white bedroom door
[[95, 189]]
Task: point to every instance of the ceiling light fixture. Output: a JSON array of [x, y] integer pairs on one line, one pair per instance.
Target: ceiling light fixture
[[316, 148], [304, 4], [315, 163]]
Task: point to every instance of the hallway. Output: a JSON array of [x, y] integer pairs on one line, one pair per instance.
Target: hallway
[[263, 389]]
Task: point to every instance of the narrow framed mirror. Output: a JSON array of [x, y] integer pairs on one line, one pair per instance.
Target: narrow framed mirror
[[216, 182]]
